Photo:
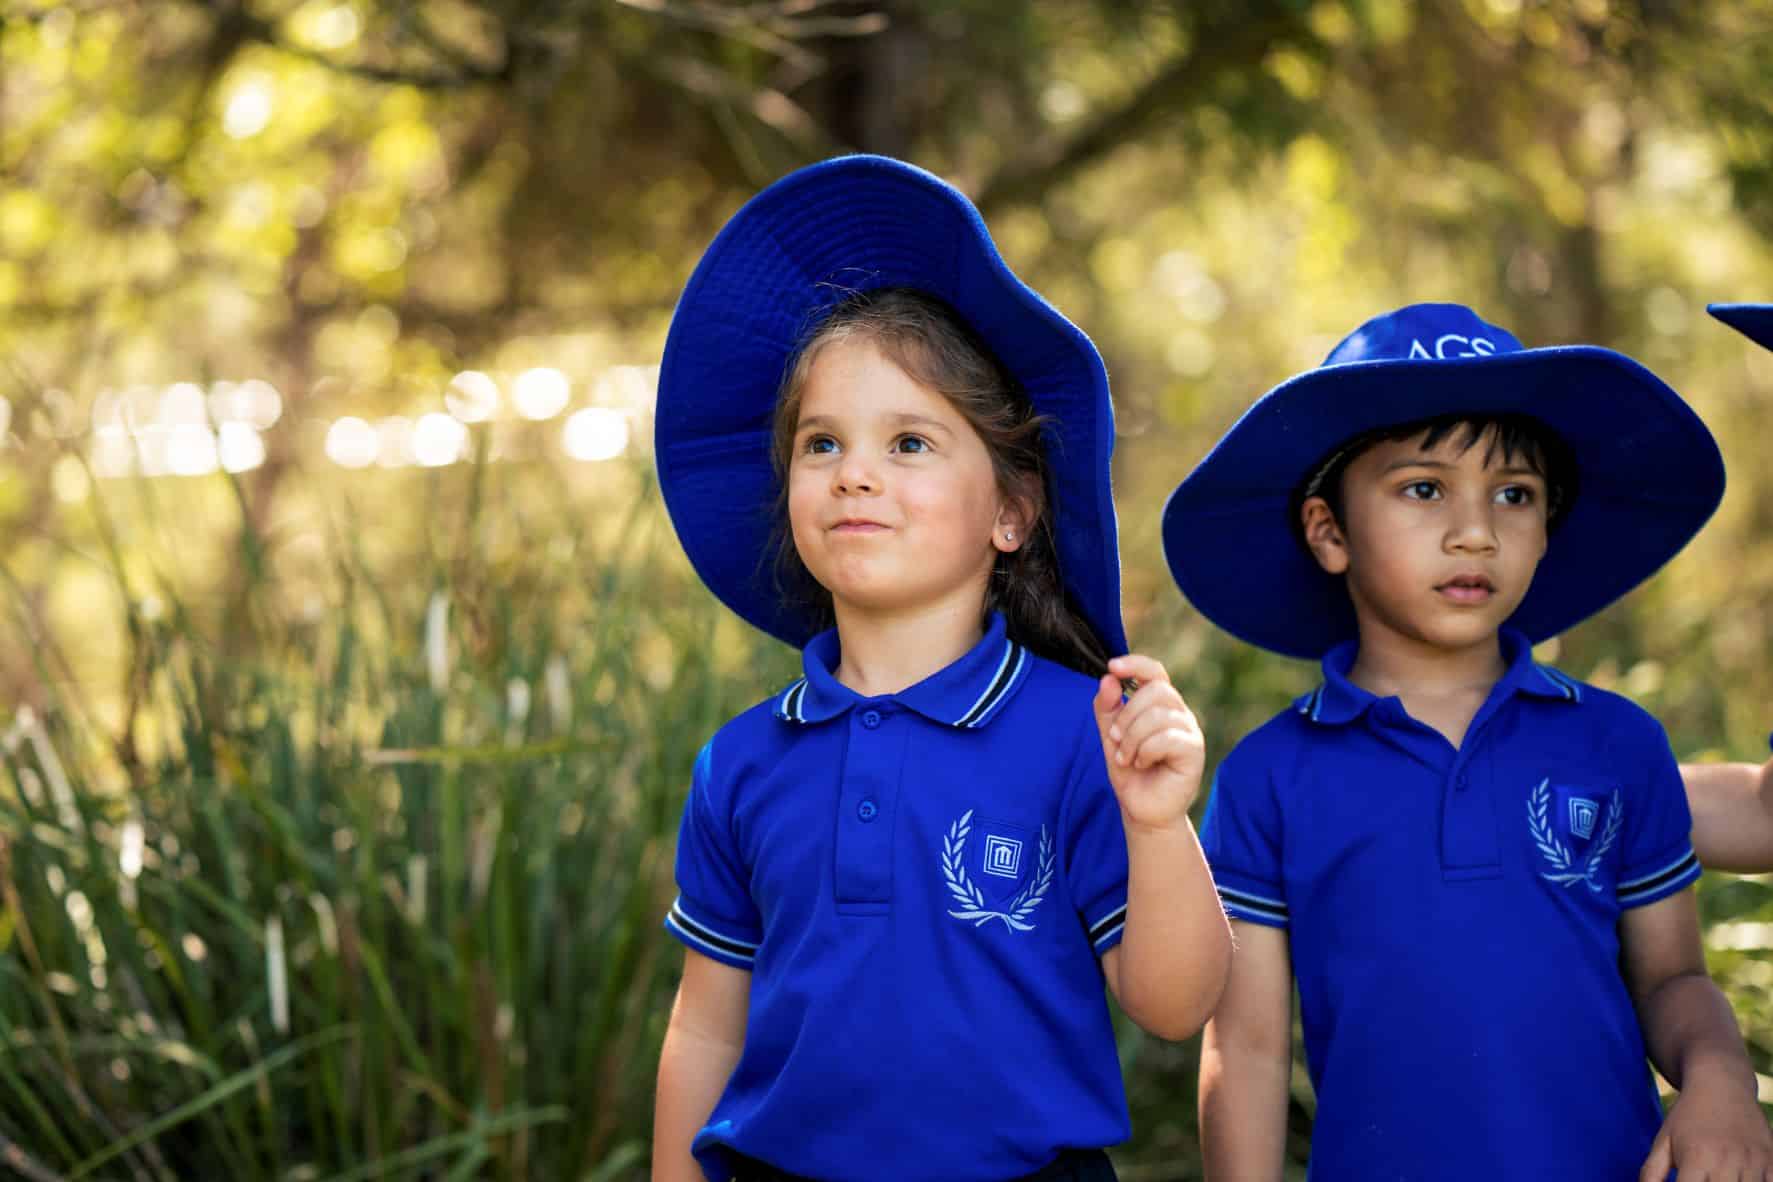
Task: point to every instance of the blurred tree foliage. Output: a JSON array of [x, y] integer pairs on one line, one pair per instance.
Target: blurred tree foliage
[[356, 199]]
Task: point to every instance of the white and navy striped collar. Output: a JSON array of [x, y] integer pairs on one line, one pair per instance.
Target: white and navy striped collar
[[968, 693], [1339, 701]]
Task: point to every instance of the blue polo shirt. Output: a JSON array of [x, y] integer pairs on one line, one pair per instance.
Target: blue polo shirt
[[1453, 919], [921, 885]]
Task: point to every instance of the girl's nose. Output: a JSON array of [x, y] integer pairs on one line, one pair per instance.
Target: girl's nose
[[855, 475]]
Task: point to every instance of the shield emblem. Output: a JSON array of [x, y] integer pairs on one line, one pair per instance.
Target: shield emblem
[[1578, 812], [1582, 815], [1002, 857]]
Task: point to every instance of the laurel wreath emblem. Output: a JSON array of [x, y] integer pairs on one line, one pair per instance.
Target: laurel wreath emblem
[[967, 893], [1564, 869]]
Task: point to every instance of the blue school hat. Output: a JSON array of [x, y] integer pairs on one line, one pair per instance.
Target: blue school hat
[[1648, 473], [772, 274], [1754, 321]]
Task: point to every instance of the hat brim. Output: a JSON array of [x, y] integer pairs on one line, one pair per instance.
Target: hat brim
[[1754, 321], [859, 223], [1649, 476]]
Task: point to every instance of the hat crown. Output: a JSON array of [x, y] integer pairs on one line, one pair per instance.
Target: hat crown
[[1424, 332]]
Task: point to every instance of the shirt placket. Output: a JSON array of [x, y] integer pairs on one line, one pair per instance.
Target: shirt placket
[[1471, 845], [867, 807]]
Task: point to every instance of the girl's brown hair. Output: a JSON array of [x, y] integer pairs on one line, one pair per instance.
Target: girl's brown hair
[[934, 347]]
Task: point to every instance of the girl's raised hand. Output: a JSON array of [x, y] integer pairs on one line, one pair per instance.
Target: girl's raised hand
[[1152, 743]]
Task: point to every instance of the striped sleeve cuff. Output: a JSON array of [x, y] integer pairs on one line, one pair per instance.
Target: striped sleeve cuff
[[1671, 875], [1253, 907], [708, 940], [1106, 931]]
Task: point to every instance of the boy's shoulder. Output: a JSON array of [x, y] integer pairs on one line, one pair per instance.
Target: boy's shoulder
[[1606, 702], [1602, 710], [1275, 745]]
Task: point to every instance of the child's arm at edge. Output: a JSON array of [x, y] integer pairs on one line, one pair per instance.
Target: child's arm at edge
[[1246, 1062], [1170, 967], [1690, 1031], [1732, 807], [702, 1045]]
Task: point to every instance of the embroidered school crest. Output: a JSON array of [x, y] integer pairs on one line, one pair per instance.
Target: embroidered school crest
[[1582, 812], [1007, 879], [1573, 832]]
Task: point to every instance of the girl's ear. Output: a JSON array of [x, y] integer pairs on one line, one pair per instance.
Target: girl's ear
[[1015, 521], [1323, 537]]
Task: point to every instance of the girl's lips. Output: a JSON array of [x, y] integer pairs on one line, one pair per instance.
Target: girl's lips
[[858, 527]]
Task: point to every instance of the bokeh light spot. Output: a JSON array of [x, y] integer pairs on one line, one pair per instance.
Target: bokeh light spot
[[240, 447], [191, 451], [596, 433], [541, 393], [351, 443], [472, 396], [438, 440], [249, 109]]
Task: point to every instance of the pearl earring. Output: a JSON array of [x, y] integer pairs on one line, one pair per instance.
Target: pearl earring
[[1009, 535]]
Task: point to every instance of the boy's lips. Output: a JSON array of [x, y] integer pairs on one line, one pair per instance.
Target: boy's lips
[[1467, 588]]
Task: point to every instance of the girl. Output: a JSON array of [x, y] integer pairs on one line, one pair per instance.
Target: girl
[[903, 879]]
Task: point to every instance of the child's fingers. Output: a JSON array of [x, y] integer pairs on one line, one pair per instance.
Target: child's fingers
[[1167, 744], [1661, 1158], [1153, 695], [1136, 730], [1135, 667]]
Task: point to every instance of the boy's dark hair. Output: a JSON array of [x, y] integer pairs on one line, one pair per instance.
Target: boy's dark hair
[[935, 347], [1511, 436]]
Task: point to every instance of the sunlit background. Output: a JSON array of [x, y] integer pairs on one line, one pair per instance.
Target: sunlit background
[[350, 675]]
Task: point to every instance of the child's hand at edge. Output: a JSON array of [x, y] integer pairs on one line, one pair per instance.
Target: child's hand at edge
[[1152, 743], [1712, 1133]]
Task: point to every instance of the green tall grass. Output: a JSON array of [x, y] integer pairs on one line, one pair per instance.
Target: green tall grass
[[380, 895]]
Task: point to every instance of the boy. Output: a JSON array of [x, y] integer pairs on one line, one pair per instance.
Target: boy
[[1733, 802], [1475, 867]]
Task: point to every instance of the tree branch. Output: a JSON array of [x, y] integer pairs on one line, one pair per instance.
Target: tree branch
[[1216, 52], [466, 74]]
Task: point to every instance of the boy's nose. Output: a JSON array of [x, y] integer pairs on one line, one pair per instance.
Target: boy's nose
[[1472, 529]]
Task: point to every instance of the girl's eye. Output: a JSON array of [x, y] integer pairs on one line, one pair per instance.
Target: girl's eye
[[819, 445], [1422, 490], [1514, 494], [911, 444]]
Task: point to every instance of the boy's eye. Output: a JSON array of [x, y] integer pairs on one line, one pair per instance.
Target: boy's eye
[[912, 444], [1422, 490], [1514, 494]]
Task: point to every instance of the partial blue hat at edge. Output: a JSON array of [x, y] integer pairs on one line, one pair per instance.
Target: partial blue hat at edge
[[1754, 321]]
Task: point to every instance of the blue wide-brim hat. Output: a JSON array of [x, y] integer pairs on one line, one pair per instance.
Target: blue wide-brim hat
[[1648, 473], [1754, 321], [772, 274]]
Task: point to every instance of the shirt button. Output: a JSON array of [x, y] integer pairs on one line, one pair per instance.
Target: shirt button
[[1463, 782], [867, 810], [871, 719]]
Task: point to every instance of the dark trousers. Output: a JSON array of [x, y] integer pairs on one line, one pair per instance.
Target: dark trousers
[[1073, 1165]]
